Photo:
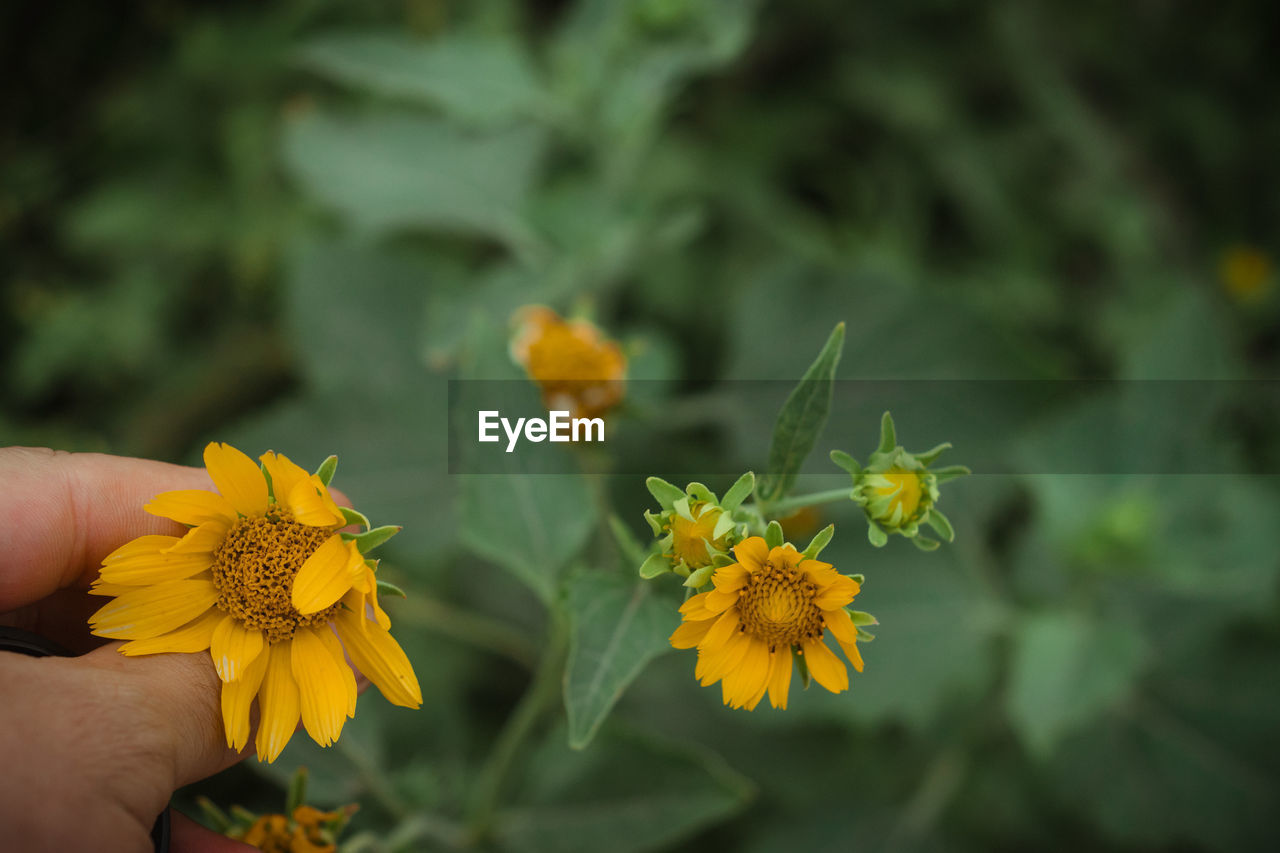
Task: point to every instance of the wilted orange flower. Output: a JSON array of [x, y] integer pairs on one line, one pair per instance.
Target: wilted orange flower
[[577, 368], [769, 604], [308, 832]]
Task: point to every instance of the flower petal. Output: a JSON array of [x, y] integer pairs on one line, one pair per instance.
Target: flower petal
[[852, 653], [324, 578], [840, 625], [719, 601], [191, 506], [726, 626], [143, 545], [689, 634], [780, 679], [696, 608], [750, 676], [730, 578], [278, 702], [154, 569], [322, 688], [237, 477], [153, 610], [284, 473], [839, 593], [334, 645], [192, 637], [234, 647], [716, 663], [311, 504], [237, 696], [376, 653], [825, 667], [204, 539], [751, 553], [768, 679]]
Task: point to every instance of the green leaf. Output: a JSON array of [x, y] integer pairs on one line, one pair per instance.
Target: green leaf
[[888, 434], [928, 457], [477, 79], [354, 516], [653, 566], [819, 541], [663, 492], [924, 543], [700, 577], [950, 472], [773, 536], [876, 535], [628, 793], [738, 492], [802, 666], [389, 171], [327, 469], [616, 627], [1068, 669], [942, 525], [371, 539], [388, 588], [860, 618], [802, 419], [847, 462]]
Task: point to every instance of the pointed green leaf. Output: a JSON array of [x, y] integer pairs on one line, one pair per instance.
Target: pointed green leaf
[[942, 525], [388, 588], [860, 618], [847, 462], [354, 516], [663, 492], [653, 566], [888, 434], [802, 419], [773, 535], [699, 578], [859, 577], [371, 539], [950, 472], [928, 457], [738, 492], [327, 469], [616, 627], [819, 541], [724, 524], [876, 535]]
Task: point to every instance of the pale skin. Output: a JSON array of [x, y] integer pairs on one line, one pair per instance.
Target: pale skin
[[92, 747]]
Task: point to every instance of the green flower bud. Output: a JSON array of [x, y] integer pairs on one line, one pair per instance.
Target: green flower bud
[[695, 528]]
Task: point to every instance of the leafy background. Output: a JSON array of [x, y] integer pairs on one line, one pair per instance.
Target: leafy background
[[288, 225]]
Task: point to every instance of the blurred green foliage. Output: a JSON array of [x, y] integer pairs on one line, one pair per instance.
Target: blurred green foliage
[[288, 225]]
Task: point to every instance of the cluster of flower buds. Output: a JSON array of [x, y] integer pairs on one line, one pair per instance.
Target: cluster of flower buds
[[898, 490]]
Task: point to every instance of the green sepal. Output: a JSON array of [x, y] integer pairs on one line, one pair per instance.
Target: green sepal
[[386, 588], [847, 462], [327, 469], [297, 793], [925, 544], [876, 535], [950, 472], [271, 491], [701, 492], [865, 636], [941, 524], [860, 618], [682, 509], [720, 560], [859, 577], [219, 819], [354, 516], [663, 492], [655, 522], [773, 536], [654, 565], [632, 551], [243, 815], [888, 434], [681, 568], [738, 492], [723, 525], [928, 457], [803, 666], [700, 577], [371, 539], [819, 541]]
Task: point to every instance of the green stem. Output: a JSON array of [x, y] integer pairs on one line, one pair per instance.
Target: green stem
[[374, 781], [540, 696], [482, 632], [786, 506]]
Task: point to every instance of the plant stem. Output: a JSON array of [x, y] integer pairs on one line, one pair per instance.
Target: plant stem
[[786, 506], [482, 632], [522, 722]]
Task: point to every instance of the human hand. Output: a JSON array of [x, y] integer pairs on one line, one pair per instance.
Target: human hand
[[92, 747]]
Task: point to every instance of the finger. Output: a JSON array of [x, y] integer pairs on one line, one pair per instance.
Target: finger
[[64, 512], [190, 837]]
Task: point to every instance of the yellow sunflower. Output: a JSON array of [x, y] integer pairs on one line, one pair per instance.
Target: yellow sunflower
[[265, 582], [765, 607]]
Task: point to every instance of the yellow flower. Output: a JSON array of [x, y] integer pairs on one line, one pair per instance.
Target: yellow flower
[[897, 496], [577, 368], [307, 833], [689, 538], [266, 584], [765, 606], [1246, 273]]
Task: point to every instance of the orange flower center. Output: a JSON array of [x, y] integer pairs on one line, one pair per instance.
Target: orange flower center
[[254, 569], [776, 606]]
